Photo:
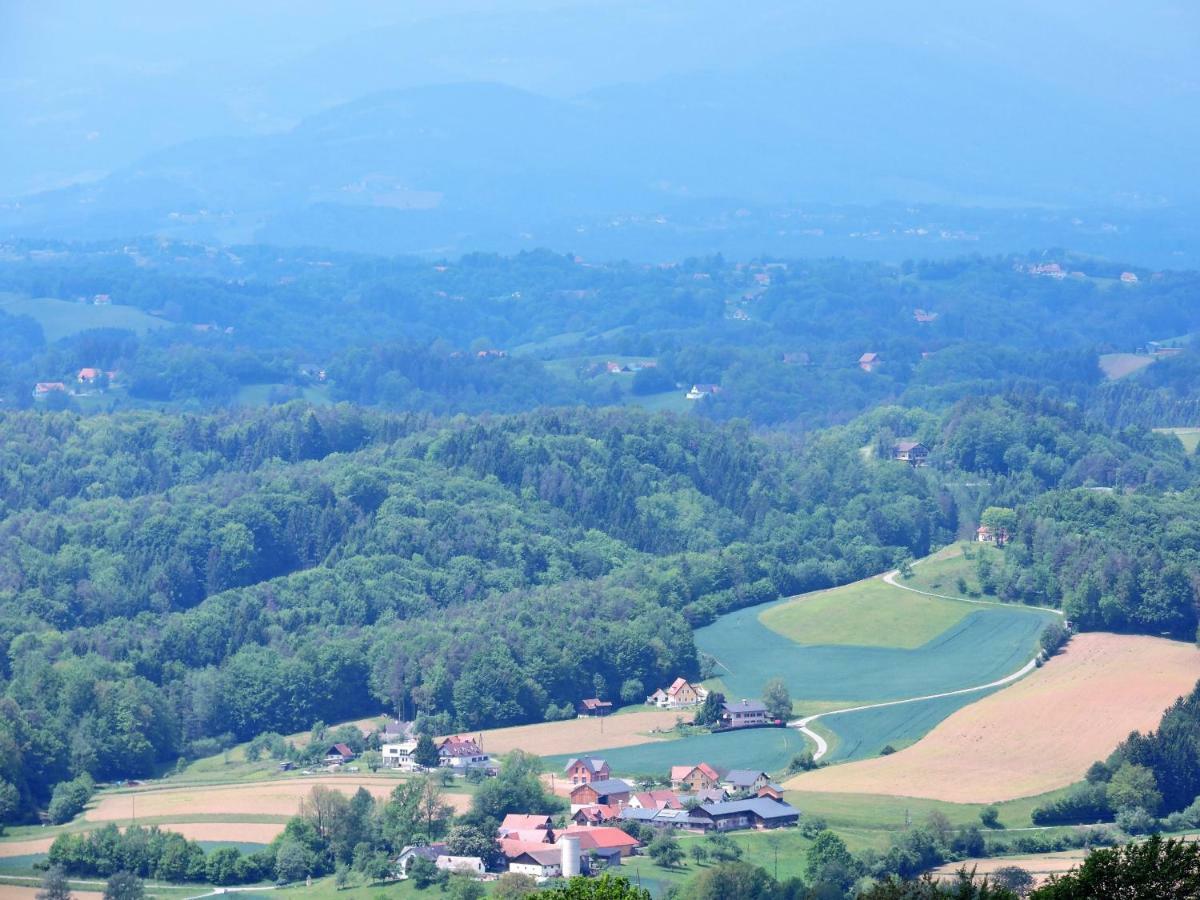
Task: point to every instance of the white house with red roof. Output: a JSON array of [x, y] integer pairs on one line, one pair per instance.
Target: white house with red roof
[[681, 693]]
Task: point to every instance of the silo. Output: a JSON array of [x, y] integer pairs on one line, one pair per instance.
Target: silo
[[570, 855]]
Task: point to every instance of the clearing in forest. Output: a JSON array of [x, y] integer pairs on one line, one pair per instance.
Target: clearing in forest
[[1118, 365], [1035, 736], [62, 318]]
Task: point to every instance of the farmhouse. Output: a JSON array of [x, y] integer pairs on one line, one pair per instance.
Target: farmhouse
[[868, 362], [586, 769], [655, 800], [596, 814], [1129, 278], [912, 452], [88, 375], [985, 534], [594, 706], [43, 389], [461, 753], [700, 391], [694, 778], [757, 812], [610, 791], [681, 693], [412, 853], [399, 756], [744, 714], [738, 780], [338, 754]]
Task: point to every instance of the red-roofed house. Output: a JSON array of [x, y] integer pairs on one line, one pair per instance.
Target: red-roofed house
[[517, 822], [44, 388], [596, 814], [681, 693], [694, 778], [88, 375], [662, 799], [868, 361]]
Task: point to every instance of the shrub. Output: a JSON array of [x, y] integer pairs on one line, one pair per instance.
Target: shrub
[[1135, 820]]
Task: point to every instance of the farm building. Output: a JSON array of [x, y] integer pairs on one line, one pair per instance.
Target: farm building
[[655, 800], [602, 838], [461, 865], [985, 534], [594, 706], [757, 812], [700, 391], [694, 778], [515, 822], [542, 863], [610, 791], [586, 769], [868, 362], [681, 693], [744, 714], [43, 389], [912, 452]]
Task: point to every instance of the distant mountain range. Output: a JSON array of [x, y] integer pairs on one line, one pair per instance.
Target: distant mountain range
[[686, 157]]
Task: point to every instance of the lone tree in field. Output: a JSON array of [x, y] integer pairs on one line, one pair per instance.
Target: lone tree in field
[[54, 885], [777, 699]]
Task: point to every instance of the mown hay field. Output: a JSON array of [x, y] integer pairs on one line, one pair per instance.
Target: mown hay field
[[1036, 735], [577, 736], [62, 318], [869, 613]]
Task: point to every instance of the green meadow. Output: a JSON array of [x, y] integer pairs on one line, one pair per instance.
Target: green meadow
[[63, 318]]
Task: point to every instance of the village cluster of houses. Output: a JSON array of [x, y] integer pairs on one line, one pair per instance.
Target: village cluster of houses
[[701, 799], [88, 380]]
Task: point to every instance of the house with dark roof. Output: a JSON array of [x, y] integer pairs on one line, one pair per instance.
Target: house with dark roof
[[912, 452], [412, 853], [756, 812], [610, 791], [739, 780], [461, 753], [744, 713], [596, 814], [584, 769], [537, 863]]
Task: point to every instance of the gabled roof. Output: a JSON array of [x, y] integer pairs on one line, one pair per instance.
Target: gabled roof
[[518, 822], [746, 706], [679, 773], [595, 703], [868, 357], [592, 763], [339, 750], [763, 807], [593, 838], [906, 446], [547, 856], [744, 777], [657, 799], [677, 685], [459, 746], [638, 814], [599, 812], [606, 786]]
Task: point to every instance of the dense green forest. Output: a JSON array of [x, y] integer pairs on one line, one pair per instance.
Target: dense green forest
[[170, 584], [783, 339]]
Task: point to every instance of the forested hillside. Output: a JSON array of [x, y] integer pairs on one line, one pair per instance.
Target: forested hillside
[[783, 339], [172, 583]]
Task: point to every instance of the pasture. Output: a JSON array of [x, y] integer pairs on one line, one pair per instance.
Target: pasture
[[1035, 736], [62, 318], [768, 749], [869, 613], [940, 573], [1118, 365]]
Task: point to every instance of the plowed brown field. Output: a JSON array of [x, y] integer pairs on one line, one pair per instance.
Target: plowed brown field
[[1038, 735]]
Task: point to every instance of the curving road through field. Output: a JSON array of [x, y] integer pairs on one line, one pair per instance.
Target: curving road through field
[[822, 747]]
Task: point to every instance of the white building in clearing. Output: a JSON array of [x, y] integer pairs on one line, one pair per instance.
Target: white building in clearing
[[400, 756]]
